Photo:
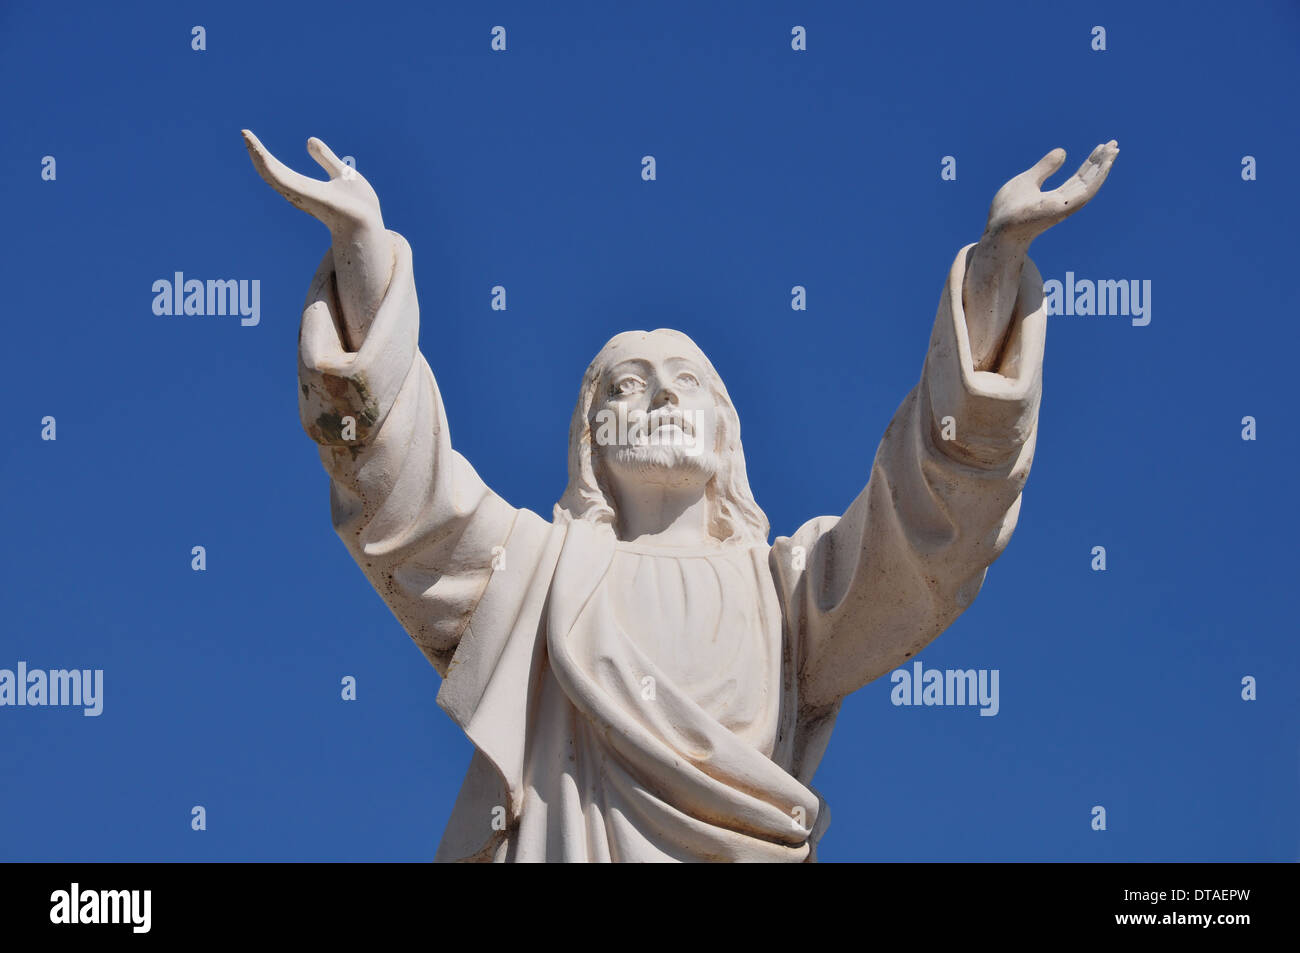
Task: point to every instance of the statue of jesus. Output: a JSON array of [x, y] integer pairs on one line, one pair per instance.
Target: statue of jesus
[[644, 676]]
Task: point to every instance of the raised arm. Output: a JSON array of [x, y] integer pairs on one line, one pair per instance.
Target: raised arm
[[871, 589], [411, 510]]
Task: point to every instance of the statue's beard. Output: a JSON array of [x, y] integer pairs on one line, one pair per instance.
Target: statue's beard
[[663, 465]]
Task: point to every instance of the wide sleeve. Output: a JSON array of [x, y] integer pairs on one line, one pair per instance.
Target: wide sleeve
[[415, 516], [868, 590]]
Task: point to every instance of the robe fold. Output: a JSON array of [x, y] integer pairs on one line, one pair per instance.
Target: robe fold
[[641, 703]]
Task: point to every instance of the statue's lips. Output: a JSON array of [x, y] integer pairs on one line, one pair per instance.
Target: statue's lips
[[667, 422], [666, 432]]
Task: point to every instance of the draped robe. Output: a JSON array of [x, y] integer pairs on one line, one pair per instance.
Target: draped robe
[[637, 703]]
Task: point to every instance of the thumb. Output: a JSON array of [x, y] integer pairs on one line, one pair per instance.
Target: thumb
[[1045, 167]]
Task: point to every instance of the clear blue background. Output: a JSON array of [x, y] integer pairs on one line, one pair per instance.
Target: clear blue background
[[775, 168]]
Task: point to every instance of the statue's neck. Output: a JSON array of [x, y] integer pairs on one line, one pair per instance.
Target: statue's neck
[[662, 516]]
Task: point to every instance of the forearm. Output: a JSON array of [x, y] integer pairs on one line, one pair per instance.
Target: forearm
[[989, 291], [363, 262], [346, 394]]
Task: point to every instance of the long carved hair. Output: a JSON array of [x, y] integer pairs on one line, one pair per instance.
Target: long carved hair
[[734, 516]]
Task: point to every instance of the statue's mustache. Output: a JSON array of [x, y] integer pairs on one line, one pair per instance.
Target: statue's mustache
[[624, 428], [670, 415]]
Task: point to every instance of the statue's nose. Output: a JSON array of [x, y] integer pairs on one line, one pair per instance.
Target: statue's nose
[[665, 395]]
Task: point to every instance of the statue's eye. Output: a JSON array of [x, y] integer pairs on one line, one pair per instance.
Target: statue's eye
[[627, 385], [688, 379]]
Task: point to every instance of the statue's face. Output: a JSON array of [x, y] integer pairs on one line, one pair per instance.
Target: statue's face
[[654, 416]]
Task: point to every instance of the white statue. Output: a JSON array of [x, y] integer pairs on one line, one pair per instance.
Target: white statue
[[644, 677]]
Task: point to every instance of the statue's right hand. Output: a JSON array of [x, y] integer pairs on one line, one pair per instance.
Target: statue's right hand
[[346, 203]]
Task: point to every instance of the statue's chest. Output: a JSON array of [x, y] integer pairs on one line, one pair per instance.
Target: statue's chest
[[701, 621]]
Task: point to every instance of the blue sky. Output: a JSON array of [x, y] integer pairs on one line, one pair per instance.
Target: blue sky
[[775, 168]]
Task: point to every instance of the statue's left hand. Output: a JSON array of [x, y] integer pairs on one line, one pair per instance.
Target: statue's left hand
[[1021, 211]]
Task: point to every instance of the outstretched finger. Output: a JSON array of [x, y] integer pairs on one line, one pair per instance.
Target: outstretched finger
[[1085, 183], [294, 186], [1045, 167], [1098, 162], [326, 159]]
